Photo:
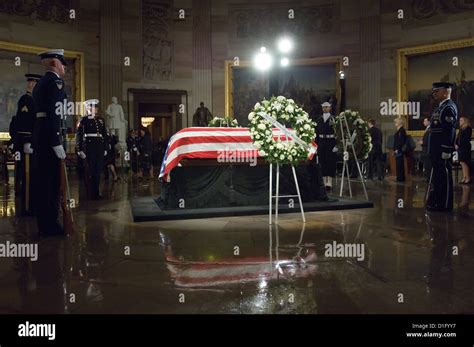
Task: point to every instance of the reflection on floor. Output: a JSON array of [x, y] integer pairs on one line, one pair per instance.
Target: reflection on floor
[[415, 262]]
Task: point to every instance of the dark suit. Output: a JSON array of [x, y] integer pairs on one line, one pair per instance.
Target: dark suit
[[375, 155], [441, 140], [49, 91], [463, 141], [400, 140]]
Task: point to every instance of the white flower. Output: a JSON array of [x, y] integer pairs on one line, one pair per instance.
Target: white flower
[[272, 147], [262, 153], [257, 105], [281, 98], [251, 115], [306, 127], [282, 157], [277, 106], [257, 145], [291, 101], [279, 145], [290, 158], [261, 126], [289, 109], [257, 136]]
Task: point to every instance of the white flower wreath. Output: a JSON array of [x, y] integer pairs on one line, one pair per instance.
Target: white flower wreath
[[223, 122], [288, 113], [362, 140]]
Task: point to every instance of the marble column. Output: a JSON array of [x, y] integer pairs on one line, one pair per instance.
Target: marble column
[[369, 97], [202, 55], [111, 60]]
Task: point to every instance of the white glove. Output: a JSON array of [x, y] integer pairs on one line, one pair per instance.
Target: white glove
[[59, 151], [445, 156], [105, 153], [335, 149], [81, 154], [27, 148]]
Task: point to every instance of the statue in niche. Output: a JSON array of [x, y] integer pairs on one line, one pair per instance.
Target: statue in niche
[[116, 120]]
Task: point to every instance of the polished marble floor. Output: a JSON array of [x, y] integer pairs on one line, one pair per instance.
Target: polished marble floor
[[414, 262]]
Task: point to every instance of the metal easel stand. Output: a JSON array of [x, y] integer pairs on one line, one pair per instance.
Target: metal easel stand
[[348, 141], [278, 196], [275, 266]]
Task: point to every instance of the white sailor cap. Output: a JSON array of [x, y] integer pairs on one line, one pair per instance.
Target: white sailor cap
[[326, 104], [54, 53], [91, 102]]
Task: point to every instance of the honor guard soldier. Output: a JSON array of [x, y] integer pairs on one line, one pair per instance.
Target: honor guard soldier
[[91, 146], [47, 139], [21, 130], [440, 147], [326, 140]]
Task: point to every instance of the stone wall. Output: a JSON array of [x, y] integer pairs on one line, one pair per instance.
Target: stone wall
[[168, 52], [48, 29]]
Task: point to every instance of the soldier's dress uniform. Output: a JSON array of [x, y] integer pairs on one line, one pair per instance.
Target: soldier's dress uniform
[[21, 132], [49, 91], [441, 141], [90, 138], [326, 141]]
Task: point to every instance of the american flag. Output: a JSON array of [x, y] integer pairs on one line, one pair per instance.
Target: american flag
[[237, 271], [208, 143]]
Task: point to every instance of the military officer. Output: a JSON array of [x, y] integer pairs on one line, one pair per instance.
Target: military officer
[[91, 145], [21, 130], [440, 147], [326, 140], [47, 94]]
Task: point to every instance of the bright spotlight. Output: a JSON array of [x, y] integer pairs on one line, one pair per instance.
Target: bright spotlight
[[285, 45], [284, 61], [263, 49], [263, 61]]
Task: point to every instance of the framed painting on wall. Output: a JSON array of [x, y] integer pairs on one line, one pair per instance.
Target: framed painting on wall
[[419, 67], [16, 60], [309, 82]]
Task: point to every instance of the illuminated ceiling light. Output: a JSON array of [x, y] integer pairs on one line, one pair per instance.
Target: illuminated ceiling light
[[263, 49], [146, 121], [285, 45], [284, 61], [263, 61]]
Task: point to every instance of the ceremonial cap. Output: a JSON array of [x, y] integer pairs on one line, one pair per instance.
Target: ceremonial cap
[[326, 104], [33, 77], [91, 102], [54, 53], [438, 85]]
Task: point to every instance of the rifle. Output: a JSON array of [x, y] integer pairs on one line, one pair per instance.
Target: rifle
[[68, 220], [4, 164], [428, 189], [27, 182]]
